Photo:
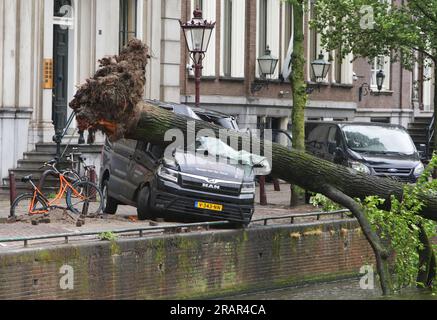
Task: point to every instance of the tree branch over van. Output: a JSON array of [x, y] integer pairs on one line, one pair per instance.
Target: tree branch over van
[[112, 102]]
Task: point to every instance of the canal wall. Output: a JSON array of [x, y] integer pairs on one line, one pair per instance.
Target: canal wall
[[194, 265]]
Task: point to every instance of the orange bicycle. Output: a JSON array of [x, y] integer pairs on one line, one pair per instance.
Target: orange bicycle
[[82, 197]]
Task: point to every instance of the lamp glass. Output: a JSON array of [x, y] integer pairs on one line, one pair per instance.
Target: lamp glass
[[380, 77]]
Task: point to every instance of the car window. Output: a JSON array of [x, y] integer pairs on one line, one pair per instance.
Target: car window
[[378, 139], [317, 137]]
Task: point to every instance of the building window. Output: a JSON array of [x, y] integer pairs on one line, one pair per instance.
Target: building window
[[314, 45], [262, 36], [338, 65], [381, 63], [128, 21], [198, 4], [268, 30], [232, 38], [287, 41], [227, 38]]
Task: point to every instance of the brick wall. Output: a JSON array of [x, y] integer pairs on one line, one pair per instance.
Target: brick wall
[[332, 100], [188, 266]]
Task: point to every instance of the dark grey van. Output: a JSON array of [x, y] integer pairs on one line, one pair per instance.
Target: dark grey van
[[377, 149], [137, 173]]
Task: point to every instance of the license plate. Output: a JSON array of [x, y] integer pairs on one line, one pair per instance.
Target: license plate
[[208, 206]]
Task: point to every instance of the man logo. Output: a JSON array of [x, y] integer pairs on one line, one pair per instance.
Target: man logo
[[393, 170], [211, 186]]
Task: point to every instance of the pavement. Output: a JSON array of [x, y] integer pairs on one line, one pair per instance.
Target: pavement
[[61, 222]]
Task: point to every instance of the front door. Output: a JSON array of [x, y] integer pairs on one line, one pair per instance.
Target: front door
[[60, 71]]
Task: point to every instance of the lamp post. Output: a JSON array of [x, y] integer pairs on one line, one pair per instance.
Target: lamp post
[[267, 66], [197, 33], [365, 88], [320, 68]]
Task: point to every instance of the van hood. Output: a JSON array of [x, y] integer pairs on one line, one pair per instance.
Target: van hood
[[389, 159], [208, 167]]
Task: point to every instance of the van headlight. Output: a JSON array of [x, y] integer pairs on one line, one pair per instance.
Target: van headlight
[[248, 187], [360, 167], [168, 174], [418, 171]]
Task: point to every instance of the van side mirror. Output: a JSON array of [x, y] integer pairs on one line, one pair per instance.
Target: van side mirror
[[422, 151]]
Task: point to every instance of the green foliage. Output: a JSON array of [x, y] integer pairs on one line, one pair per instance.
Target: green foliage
[[320, 201], [108, 236], [368, 28], [399, 226]]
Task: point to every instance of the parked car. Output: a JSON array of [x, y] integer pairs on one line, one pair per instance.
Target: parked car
[[137, 173], [221, 119], [377, 149]]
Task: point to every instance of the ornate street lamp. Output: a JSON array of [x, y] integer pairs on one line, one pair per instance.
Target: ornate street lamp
[[380, 77], [365, 88], [197, 33], [267, 67], [320, 68]]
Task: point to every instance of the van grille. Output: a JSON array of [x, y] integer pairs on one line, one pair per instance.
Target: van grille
[[198, 184], [393, 171]]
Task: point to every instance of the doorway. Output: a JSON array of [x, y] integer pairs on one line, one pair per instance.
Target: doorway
[[60, 68]]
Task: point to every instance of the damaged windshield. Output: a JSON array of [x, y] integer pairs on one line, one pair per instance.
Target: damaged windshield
[[213, 147]]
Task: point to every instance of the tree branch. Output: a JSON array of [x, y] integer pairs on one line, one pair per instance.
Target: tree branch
[[381, 253]]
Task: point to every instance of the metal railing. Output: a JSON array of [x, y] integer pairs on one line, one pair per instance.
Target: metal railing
[[140, 231], [177, 228], [59, 135], [292, 217]]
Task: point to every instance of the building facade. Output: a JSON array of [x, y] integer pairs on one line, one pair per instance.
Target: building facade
[[49, 47], [244, 30]]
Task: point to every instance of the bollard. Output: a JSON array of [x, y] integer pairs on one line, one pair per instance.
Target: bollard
[[262, 191], [85, 208], [93, 179], [93, 175], [277, 185], [12, 187]]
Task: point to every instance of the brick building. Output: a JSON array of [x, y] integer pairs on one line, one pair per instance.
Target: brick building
[[245, 28], [68, 37]]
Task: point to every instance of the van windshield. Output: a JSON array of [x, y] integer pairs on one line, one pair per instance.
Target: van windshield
[[374, 139], [217, 148]]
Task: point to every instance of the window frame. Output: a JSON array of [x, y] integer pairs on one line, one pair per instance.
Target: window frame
[[124, 32]]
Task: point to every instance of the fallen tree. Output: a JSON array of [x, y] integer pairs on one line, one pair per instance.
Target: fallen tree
[[112, 101]]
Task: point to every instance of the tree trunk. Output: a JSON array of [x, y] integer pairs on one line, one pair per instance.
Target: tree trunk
[[298, 88], [112, 102], [295, 167], [297, 79], [434, 139]]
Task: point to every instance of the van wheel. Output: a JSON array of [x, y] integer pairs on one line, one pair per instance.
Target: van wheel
[[110, 205], [143, 204]]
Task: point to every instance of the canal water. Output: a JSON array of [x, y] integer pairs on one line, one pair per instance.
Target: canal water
[[338, 290]]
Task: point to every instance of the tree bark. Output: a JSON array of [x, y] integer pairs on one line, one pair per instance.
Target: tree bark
[[296, 167], [112, 102], [297, 79]]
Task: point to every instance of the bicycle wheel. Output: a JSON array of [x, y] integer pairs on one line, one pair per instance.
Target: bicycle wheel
[[22, 205], [71, 176], [85, 193]]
